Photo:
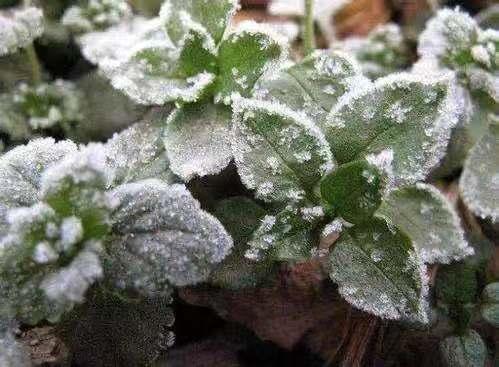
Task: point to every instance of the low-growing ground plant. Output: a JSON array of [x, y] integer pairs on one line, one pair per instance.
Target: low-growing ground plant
[[245, 161]]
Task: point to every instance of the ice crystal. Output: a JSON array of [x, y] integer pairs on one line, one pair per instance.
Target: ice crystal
[[95, 15], [18, 28]]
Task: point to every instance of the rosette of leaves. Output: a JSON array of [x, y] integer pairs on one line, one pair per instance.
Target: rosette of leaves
[[337, 153], [188, 56], [381, 52], [18, 28], [70, 217], [92, 15], [454, 43], [45, 107]]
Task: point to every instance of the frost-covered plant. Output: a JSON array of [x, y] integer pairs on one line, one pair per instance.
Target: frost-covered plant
[[93, 15], [381, 52], [73, 216], [18, 28], [12, 353], [328, 146], [453, 43], [188, 56]]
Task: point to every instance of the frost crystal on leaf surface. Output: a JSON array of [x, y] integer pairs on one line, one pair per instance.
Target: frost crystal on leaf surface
[[18, 28]]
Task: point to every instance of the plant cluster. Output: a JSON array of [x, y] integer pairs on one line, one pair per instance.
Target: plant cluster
[[338, 152]]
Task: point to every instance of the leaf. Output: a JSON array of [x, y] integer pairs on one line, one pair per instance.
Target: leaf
[[313, 85], [278, 152], [404, 113], [12, 353], [287, 236], [467, 350], [241, 217], [138, 152], [430, 221], [479, 181], [162, 238], [354, 190], [489, 17], [179, 16], [18, 28], [378, 270], [490, 308], [197, 139], [244, 56]]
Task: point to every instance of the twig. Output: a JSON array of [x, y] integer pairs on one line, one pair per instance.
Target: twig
[[308, 26]]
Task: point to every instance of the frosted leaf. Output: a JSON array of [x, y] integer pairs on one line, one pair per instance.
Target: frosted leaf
[[138, 152], [432, 224], [245, 55], [18, 28], [354, 190], [95, 15], [162, 238], [180, 15], [324, 11], [21, 169], [489, 17], [45, 106], [408, 114], [314, 85], [241, 216], [479, 181], [490, 305], [290, 30], [287, 236], [264, 129], [382, 52], [197, 140], [378, 271], [12, 352], [468, 350]]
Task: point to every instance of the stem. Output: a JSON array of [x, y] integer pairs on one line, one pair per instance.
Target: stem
[[36, 70], [308, 35]]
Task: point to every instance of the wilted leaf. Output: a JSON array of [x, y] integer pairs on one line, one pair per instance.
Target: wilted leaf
[[197, 139], [430, 221], [378, 270]]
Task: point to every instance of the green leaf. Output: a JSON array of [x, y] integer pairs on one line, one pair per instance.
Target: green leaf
[[138, 152], [490, 306], [287, 236], [378, 270], [403, 114], [180, 16], [430, 221], [313, 85], [278, 152], [244, 56], [162, 238], [19, 28], [197, 139], [467, 350], [354, 190], [479, 181], [456, 288], [241, 217]]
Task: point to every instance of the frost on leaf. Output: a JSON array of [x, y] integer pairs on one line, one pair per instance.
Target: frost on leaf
[[354, 190], [489, 17], [197, 139], [12, 353], [279, 153], [245, 55], [18, 28], [313, 85], [95, 15], [286, 236], [426, 216], [382, 52], [468, 350], [406, 114], [50, 251], [162, 238], [479, 182], [490, 306], [241, 216], [138, 152], [179, 16], [46, 106], [378, 270]]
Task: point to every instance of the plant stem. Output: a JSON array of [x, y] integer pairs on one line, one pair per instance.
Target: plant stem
[[308, 26], [36, 70]]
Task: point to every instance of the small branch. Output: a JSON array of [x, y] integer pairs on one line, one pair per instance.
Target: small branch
[[308, 26]]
